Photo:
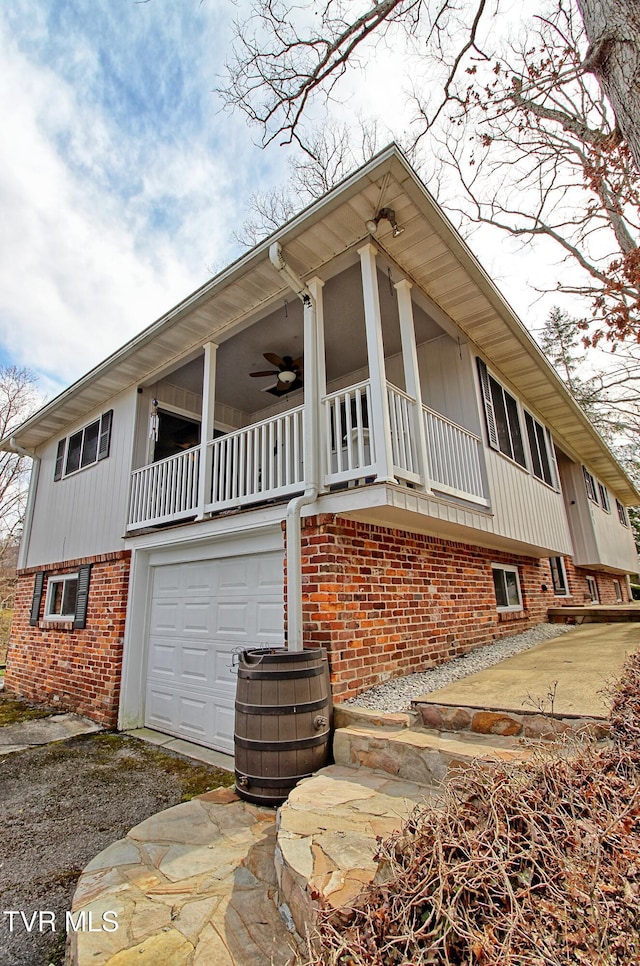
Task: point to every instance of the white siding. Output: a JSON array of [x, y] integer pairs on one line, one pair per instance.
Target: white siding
[[524, 508], [447, 381], [599, 538], [85, 514]]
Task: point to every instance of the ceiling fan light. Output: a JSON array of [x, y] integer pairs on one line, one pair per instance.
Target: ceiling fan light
[[287, 377]]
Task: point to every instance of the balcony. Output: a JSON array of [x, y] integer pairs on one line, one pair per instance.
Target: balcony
[[265, 461]]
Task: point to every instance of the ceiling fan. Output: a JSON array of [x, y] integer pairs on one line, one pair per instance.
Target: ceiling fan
[[289, 373]]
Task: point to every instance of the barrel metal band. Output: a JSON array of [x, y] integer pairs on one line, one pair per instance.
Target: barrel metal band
[[281, 673], [284, 782], [291, 745], [300, 708]]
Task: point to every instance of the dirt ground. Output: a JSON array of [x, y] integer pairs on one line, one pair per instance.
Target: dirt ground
[[63, 803]]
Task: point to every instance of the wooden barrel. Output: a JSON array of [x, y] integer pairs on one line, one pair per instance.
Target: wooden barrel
[[283, 721]]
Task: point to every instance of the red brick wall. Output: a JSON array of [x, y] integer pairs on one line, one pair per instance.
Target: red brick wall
[[579, 592], [73, 670], [387, 602]]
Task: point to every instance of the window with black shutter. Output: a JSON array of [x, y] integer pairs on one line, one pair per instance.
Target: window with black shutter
[[504, 431], [38, 585], [82, 599], [89, 445]]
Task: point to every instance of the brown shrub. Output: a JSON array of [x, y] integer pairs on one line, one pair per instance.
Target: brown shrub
[[533, 865]]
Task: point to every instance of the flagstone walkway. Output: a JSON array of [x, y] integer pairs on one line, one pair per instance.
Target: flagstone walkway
[[191, 885]]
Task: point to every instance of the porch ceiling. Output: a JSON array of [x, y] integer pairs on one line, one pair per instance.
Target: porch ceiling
[[429, 252]]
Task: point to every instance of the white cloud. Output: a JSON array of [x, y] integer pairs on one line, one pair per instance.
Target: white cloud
[[108, 219]]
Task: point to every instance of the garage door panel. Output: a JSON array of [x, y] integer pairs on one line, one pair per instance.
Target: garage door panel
[[195, 664], [197, 617], [236, 577], [233, 620], [198, 578], [165, 617], [201, 614], [268, 575], [163, 658]]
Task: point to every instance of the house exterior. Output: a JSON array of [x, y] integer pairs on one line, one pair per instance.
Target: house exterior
[[431, 485]]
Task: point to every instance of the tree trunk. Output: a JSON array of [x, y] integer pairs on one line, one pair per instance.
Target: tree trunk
[[613, 31]]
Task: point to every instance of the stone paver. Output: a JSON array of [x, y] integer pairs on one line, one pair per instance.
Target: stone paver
[[40, 731], [328, 834], [191, 886]]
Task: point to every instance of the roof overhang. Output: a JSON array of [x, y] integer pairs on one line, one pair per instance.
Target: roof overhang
[[429, 251]]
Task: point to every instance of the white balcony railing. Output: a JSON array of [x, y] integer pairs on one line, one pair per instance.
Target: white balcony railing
[[165, 491], [260, 462], [266, 460], [455, 458], [349, 445], [402, 410]]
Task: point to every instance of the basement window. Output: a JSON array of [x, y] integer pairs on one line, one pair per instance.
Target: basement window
[[67, 597], [592, 588], [506, 584], [62, 595], [559, 577]]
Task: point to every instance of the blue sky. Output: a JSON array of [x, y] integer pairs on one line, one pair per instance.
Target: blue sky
[[120, 178]]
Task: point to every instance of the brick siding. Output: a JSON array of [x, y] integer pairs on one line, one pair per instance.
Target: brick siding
[[387, 602], [579, 594], [72, 670]]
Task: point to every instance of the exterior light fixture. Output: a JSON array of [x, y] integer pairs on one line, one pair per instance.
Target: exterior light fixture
[[386, 214]]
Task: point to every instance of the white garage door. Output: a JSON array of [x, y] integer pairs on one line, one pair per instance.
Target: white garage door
[[201, 612]]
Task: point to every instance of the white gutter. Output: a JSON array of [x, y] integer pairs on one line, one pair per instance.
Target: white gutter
[[295, 637], [31, 500]]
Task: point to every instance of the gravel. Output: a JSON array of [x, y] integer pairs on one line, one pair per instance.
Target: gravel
[[397, 694]]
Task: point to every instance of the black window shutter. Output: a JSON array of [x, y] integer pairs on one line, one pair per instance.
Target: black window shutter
[[59, 460], [104, 443], [492, 430], [82, 600], [36, 600]]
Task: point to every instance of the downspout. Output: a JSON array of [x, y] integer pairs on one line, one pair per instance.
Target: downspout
[[295, 638], [31, 500]]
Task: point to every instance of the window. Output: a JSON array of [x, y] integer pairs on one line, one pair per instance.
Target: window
[[89, 445], [62, 595], [622, 514], [67, 597], [617, 589], [541, 449], [590, 485], [502, 418], [559, 577], [507, 587], [604, 498], [592, 588]]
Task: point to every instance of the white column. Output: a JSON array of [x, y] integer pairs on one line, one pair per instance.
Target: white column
[[206, 427], [315, 286], [412, 375], [380, 423]]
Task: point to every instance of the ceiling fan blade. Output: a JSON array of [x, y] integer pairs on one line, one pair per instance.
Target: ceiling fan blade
[[274, 359], [266, 372], [297, 363]]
